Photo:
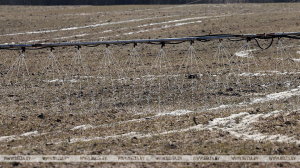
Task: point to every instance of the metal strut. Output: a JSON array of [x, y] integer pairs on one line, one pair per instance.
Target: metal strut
[[23, 50], [162, 45], [192, 42]]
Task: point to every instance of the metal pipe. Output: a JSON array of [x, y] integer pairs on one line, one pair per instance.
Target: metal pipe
[[151, 41]]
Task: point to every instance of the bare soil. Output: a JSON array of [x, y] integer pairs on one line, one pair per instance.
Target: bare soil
[[89, 113]]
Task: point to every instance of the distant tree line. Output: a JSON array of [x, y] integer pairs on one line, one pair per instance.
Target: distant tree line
[[128, 2]]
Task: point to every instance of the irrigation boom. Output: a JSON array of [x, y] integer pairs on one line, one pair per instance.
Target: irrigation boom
[[295, 35]]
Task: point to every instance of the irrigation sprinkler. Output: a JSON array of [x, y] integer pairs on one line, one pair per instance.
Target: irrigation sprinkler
[[159, 84], [294, 35]]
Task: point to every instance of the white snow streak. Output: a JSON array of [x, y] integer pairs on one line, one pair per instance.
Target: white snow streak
[[12, 137], [175, 113], [277, 96], [238, 125], [82, 27], [84, 127], [244, 53]]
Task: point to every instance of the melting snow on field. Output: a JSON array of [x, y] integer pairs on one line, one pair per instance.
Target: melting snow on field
[[298, 60], [252, 74], [82, 27], [244, 53], [277, 96], [129, 33], [29, 133], [12, 137], [238, 125], [4, 138], [240, 129], [84, 127], [175, 113]]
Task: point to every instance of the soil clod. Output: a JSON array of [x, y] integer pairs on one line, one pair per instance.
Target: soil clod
[[41, 116]]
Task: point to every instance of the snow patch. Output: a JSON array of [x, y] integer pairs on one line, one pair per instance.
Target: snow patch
[[74, 140], [239, 126], [236, 124], [83, 27], [298, 60], [84, 127], [4, 138], [274, 113], [220, 107], [277, 96], [252, 74], [29, 133], [12, 137], [181, 24], [174, 21], [54, 80], [244, 53], [175, 113]]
